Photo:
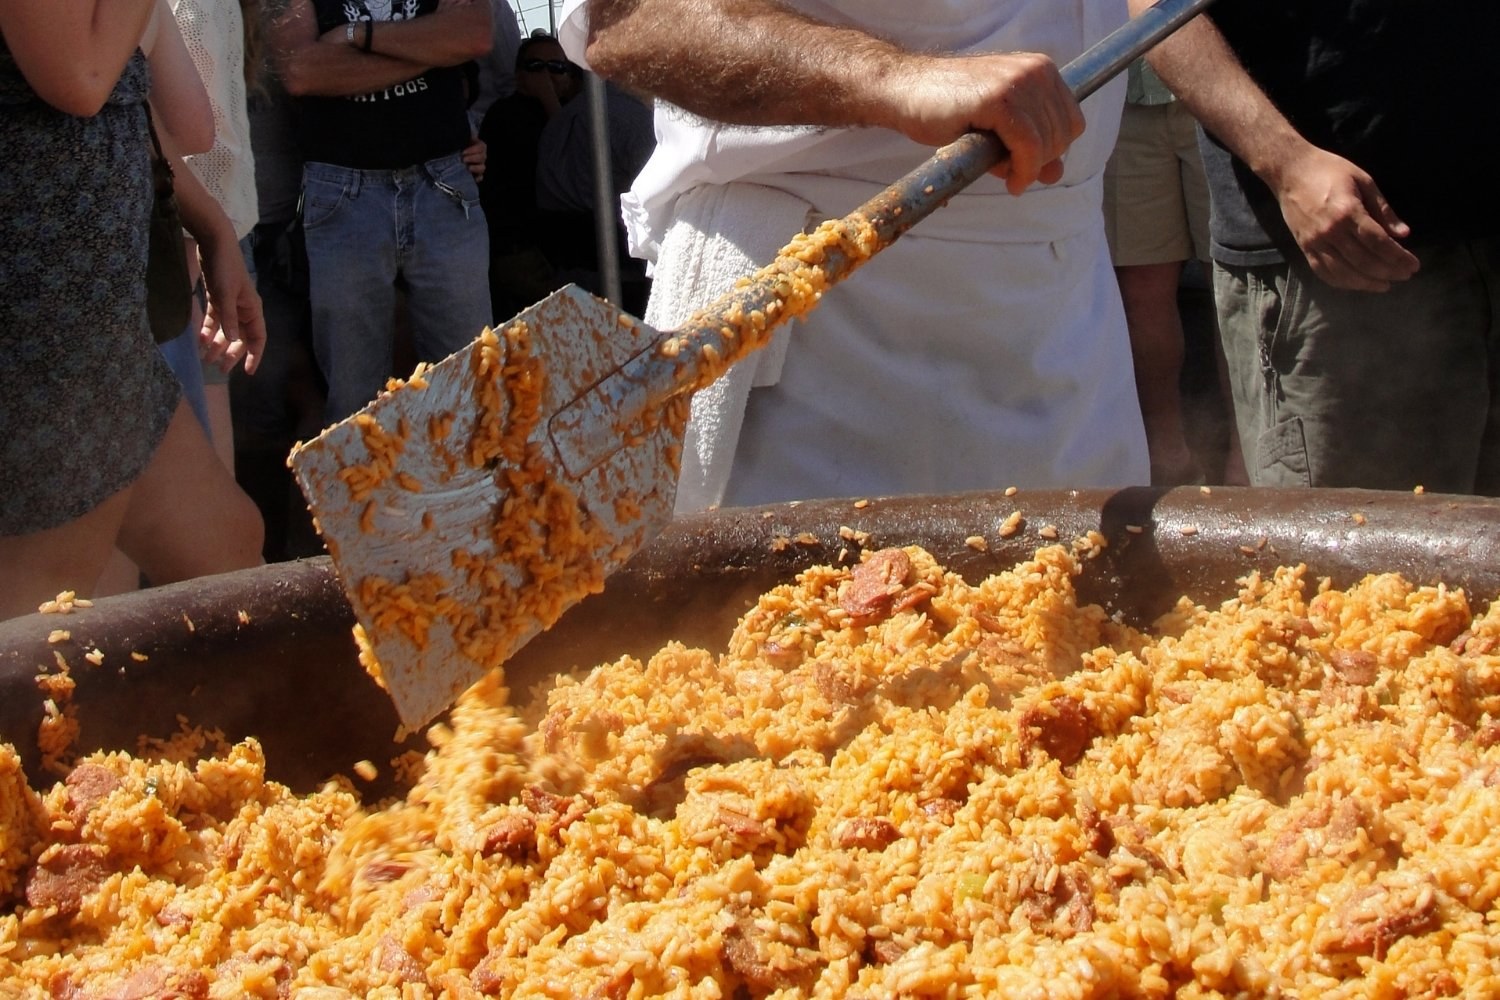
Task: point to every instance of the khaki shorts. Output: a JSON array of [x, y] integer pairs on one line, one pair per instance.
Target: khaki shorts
[[1155, 193]]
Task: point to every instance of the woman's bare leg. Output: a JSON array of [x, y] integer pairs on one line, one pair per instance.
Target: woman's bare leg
[[38, 566], [187, 517], [1149, 292], [120, 576]]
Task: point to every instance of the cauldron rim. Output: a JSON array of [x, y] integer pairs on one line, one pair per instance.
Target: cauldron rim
[[267, 652]]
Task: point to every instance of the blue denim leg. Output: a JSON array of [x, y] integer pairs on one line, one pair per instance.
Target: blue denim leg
[[181, 354], [446, 261], [349, 218]]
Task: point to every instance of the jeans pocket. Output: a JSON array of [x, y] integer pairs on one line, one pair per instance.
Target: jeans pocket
[[321, 201], [456, 184]]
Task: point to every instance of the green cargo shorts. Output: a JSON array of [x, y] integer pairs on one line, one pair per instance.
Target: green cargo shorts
[[1390, 390]]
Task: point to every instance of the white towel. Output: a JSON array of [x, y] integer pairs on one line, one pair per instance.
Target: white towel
[[698, 263]]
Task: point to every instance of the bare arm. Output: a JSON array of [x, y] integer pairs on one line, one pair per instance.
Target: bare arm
[[1335, 211], [234, 328], [332, 66], [179, 102], [456, 33], [72, 52], [758, 62]]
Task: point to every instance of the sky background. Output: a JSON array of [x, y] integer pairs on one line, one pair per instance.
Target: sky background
[[533, 14]]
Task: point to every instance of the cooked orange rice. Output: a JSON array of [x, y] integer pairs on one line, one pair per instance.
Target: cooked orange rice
[[893, 783]]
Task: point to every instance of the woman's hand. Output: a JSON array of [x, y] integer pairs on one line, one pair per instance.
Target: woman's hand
[[233, 329]]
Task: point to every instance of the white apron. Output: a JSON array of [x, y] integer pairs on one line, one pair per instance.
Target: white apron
[[986, 348]]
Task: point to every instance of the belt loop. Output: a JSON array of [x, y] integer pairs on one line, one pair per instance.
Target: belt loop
[[356, 179]]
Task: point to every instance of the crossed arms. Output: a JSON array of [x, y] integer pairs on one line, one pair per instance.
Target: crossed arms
[[332, 65]]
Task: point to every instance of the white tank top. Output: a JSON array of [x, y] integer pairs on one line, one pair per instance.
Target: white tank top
[[214, 33]]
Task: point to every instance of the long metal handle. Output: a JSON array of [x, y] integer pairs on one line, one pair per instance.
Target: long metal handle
[[960, 163], [716, 337], [947, 172]]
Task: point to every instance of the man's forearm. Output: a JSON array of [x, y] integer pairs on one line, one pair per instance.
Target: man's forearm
[[447, 38], [324, 70], [337, 68], [750, 62], [1205, 74]]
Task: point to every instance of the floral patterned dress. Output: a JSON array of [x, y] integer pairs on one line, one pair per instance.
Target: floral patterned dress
[[86, 396]]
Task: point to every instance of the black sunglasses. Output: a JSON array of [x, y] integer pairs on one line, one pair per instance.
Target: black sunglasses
[[552, 65]]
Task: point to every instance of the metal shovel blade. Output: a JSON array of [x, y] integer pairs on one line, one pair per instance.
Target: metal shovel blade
[[459, 526]]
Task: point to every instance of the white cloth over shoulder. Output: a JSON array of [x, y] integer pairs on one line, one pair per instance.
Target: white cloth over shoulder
[[985, 348]]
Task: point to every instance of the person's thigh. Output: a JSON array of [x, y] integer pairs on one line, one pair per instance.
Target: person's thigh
[[1337, 388], [446, 268], [186, 516], [1145, 217], [1193, 179], [42, 564], [350, 232]]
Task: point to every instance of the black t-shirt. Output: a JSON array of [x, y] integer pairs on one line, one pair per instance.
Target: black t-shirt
[[512, 129], [400, 126], [1403, 88]]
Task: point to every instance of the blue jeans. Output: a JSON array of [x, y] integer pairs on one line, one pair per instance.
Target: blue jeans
[[181, 355], [369, 230]]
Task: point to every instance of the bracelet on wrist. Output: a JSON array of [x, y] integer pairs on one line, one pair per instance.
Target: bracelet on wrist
[[369, 33]]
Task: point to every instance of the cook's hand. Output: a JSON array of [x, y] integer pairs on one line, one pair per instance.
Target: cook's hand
[[475, 155], [1342, 222], [1019, 96], [233, 327]]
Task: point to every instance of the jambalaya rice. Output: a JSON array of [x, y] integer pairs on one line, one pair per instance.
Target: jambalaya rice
[[893, 783]]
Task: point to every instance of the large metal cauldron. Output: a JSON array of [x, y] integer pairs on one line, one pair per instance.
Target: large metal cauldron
[[268, 653]]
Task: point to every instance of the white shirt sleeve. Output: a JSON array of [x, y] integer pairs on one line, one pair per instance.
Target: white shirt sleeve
[[573, 29]]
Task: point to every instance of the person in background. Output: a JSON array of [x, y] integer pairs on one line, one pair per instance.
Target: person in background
[[986, 348], [496, 68], [388, 199], [94, 429], [222, 37], [1156, 219], [567, 203], [184, 119], [1355, 237], [520, 272], [183, 114], [284, 402]]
